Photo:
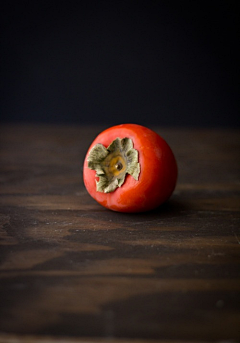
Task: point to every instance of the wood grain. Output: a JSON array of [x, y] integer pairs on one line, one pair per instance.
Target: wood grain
[[73, 271]]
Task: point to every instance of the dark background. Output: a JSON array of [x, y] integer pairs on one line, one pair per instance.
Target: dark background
[[149, 62]]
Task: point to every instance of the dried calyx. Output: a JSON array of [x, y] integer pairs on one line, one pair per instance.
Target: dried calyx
[[113, 163]]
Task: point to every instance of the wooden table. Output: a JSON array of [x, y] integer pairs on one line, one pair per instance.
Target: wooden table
[[73, 271]]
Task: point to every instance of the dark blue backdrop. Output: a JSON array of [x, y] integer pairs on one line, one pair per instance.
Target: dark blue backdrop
[[149, 62]]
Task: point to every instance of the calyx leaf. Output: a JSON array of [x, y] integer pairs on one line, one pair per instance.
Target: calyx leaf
[[113, 163]]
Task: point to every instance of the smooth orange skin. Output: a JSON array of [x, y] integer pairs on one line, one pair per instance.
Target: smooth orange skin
[[158, 175]]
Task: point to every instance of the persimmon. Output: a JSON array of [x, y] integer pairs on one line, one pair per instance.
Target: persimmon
[[130, 168]]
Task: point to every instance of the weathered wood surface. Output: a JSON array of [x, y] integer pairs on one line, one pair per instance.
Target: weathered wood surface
[[72, 269]]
